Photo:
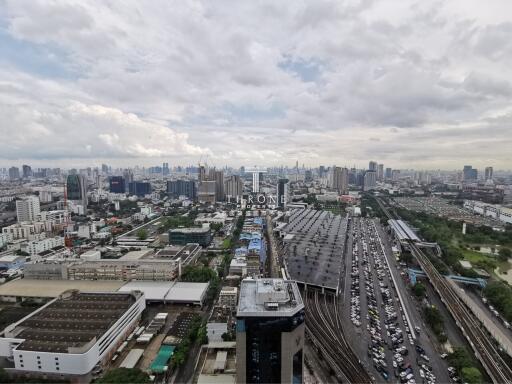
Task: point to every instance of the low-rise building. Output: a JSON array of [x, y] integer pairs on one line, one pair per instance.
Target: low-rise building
[[12, 262], [228, 297], [37, 246], [182, 236], [72, 335]]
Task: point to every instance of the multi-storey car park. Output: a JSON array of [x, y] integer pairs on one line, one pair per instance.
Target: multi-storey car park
[[313, 245], [71, 336], [314, 242]]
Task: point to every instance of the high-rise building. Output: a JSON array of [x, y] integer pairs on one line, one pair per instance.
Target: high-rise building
[[201, 173], [470, 173], [380, 172], [372, 166], [220, 194], [139, 188], [116, 184], [186, 188], [257, 178], [489, 173], [340, 180], [27, 171], [128, 178], [165, 169], [14, 173], [206, 192], [270, 332], [234, 187], [28, 208], [388, 173], [370, 180], [395, 174], [282, 193], [76, 189]]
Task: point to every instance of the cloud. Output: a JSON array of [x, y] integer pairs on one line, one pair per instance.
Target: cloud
[[256, 82]]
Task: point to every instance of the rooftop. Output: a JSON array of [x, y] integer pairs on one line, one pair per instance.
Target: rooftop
[[70, 323], [191, 230], [53, 288], [269, 297]]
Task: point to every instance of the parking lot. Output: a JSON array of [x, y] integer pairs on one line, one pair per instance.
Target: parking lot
[[437, 206], [377, 323]]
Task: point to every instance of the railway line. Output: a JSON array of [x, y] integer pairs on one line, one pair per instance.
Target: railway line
[[472, 329], [323, 327]]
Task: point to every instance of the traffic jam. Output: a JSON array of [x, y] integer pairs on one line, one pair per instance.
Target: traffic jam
[[388, 335]]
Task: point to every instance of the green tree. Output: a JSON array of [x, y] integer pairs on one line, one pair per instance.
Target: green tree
[[142, 234], [419, 290], [124, 375], [460, 358], [471, 375]]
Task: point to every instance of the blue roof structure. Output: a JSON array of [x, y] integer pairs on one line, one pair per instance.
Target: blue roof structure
[[245, 236], [242, 251], [254, 245]]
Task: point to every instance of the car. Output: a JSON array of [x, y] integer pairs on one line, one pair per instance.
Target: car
[[444, 355], [422, 374]]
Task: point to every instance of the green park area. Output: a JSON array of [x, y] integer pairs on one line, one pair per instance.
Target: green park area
[[457, 246]]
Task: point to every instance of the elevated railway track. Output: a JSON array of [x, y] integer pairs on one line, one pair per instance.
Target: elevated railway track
[[471, 327]]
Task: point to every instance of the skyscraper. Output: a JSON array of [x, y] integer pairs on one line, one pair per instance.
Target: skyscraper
[[234, 187], [340, 180], [165, 169], [282, 193], [470, 173], [128, 178], [388, 173], [489, 173], [380, 172], [28, 208], [139, 188], [201, 173], [270, 332], [186, 188], [219, 186], [372, 166], [14, 173], [27, 171], [76, 189], [116, 184], [370, 180], [206, 192]]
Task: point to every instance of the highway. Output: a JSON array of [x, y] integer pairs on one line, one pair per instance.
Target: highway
[[324, 329], [469, 324]]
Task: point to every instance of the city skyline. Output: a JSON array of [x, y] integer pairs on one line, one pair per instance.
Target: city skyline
[[415, 85]]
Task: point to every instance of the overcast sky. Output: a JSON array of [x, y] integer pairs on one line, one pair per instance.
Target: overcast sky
[[425, 84]]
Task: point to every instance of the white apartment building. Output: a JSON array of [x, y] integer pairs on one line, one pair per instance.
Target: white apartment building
[[497, 212], [5, 238], [37, 246], [90, 328], [28, 208], [29, 231]]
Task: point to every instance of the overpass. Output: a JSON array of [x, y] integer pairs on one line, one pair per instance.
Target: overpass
[[415, 273]]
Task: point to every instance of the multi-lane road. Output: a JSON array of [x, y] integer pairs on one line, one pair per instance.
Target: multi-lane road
[[481, 342]]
